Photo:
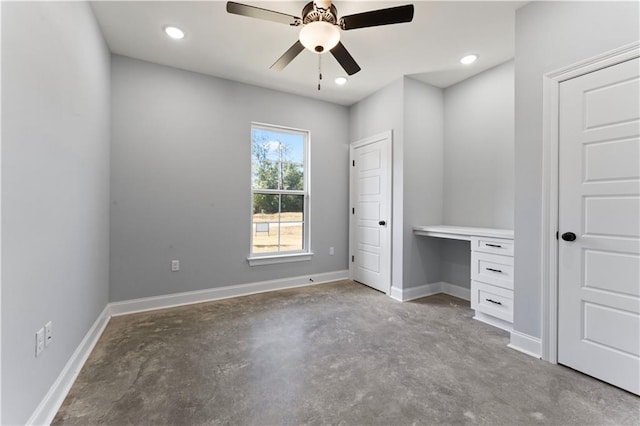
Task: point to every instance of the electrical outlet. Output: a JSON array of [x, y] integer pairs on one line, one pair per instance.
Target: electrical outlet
[[331, 251], [39, 341], [175, 265], [48, 333]]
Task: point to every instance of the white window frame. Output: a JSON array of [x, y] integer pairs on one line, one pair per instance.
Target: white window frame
[[256, 259]]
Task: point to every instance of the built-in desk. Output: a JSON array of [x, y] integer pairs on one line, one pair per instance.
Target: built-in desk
[[461, 232], [491, 269]]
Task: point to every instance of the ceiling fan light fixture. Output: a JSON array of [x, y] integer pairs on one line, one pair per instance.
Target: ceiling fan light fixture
[[319, 37]]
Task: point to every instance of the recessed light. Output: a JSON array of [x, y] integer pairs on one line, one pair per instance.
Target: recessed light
[[341, 81], [469, 59], [174, 32]]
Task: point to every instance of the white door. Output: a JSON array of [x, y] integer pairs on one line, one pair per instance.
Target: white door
[[370, 224], [599, 201]]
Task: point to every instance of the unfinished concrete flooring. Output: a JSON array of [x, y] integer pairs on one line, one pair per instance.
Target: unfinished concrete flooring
[[337, 353]]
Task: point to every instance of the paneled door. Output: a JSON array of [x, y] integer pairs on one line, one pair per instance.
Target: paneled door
[[370, 224], [599, 225]]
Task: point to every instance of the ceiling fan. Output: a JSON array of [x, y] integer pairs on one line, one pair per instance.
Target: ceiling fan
[[320, 28]]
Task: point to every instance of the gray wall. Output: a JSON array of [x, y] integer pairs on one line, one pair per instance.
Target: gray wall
[[455, 261], [550, 35], [478, 149], [180, 187], [55, 191], [423, 180], [478, 161]]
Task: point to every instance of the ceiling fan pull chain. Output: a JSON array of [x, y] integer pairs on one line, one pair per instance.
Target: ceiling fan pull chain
[[319, 70]]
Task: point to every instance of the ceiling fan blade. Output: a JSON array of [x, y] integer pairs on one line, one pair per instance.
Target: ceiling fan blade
[[373, 18], [345, 59], [288, 56], [260, 13]]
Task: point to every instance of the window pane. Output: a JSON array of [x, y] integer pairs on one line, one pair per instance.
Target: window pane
[[292, 176], [292, 223], [278, 223], [293, 148], [265, 175], [265, 223], [277, 160]]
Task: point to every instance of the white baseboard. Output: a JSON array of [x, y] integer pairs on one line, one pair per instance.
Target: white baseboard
[[491, 320], [396, 293], [411, 293], [524, 343], [456, 291], [191, 297], [50, 404]]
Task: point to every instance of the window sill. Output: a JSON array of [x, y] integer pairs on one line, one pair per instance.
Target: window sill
[[279, 258]]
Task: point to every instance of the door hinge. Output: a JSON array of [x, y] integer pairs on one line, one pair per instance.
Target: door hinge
[[353, 258], [353, 210], [353, 163], [557, 235]]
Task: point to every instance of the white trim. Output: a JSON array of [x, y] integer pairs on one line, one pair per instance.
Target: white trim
[[440, 287], [550, 127], [279, 258], [550, 167], [191, 297], [494, 321], [412, 293], [597, 62], [255, 259], [388, 135], [524, 343], [0, 221], [396, 293], [456, 291], [50, 404]]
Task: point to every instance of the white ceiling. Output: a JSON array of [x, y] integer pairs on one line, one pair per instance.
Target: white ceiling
[[242, 49]]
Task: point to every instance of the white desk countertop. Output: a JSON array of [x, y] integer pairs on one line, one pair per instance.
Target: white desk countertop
[[461, 232]]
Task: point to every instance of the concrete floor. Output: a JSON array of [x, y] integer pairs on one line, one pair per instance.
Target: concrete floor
[[337, 353]]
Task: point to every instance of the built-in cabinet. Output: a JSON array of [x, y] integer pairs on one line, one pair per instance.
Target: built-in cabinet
[[492, 280], [491, 269]]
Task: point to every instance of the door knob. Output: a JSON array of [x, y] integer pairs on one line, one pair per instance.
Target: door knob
[[382, 223], [569, 236]]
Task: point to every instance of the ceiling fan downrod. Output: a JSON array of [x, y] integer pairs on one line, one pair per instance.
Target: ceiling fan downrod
[[319, 71]]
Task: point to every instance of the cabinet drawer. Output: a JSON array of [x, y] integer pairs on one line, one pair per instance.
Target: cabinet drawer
[[492, 300], [492, 245], [492, 269]]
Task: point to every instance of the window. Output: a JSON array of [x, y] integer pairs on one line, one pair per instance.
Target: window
[[279, 193]]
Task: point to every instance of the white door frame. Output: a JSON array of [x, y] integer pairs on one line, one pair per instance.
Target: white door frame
[[0, 231], [388, 250], [550, 168]]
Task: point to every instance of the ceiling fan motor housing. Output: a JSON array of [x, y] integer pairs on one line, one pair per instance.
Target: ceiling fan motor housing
[[311, 13]]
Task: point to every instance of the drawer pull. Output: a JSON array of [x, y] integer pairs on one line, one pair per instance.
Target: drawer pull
[[493, 245], [493, 270], [493, 301]]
